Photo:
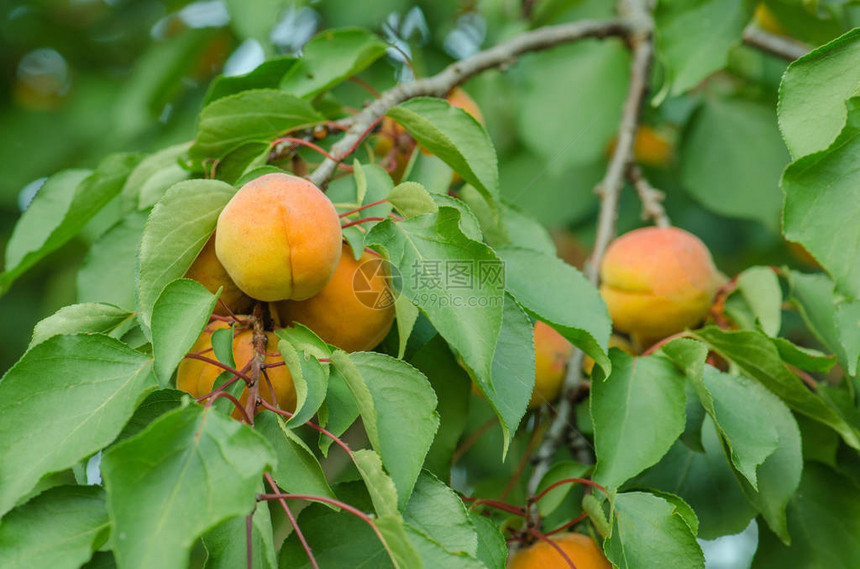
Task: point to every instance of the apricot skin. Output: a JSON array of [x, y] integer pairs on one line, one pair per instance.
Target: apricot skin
[[337, 315], [208, 271], [198, 377], [279, 238], [552, 351], [657, 281], [581, 549]]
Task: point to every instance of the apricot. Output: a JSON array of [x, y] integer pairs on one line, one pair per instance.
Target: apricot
[[657, 281], [651, 147], [354, 311], [615, 341], [279, 238], [552, 351], [581, 549], [208, 271], [198, 377]]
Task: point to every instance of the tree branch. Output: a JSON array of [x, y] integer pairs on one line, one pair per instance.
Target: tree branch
[[455, 74], [780, 46], [651, 198], [638, 13]]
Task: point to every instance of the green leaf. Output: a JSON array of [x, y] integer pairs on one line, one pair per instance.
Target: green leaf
[[750, 188], [813, 92], [241, 162], [410, 199], [455, 281], [638, 412], [298, 471], [804, 358], [331, 57], [225, 549], [81, 390], [176, 231], [186, 473], [492, 549], [553, 291], [109, 270], [93, 318], [405, 316], [345, 191], [178, 317], [706, 481], [397, 406], [455, 136], [511, 227], [756, 355], [60, 528], [154, 406], [563, 135], [513, 370], [758, 298], [848, 321], [650, 531], [379, 485], [340, 408], [62, 208], [267, 75], [557, 472], [823, 518], [435, 555], [222, 345], [821, 192], [153, 176], [814, 298], [468, 222], [310, 379], [439, 514], [452, 386], [260, 115], [690, 43]]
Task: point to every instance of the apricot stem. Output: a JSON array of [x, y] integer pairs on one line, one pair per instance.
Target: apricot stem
[[663, 342], [249, 542], [358, 209], [232, 400], [569, 524], [310, 424], [473, 438], [555, 485], [362, 220], [225, 367], [498, 505], [553, 544], [293, 520], [301, 142], [364, 85]]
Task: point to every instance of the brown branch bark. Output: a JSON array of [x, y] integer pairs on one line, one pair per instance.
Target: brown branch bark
[[780, 46], [651, 198], [640, 38], [440, 84]]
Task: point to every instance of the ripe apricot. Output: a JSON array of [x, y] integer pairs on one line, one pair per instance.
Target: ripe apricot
[[657, 281], [343, 312], [581, 549], [552, 351], [198, 377], [279, 238], [208, 271], [650, 147]]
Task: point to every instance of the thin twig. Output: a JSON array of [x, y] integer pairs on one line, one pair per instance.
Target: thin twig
[[780, 46], [651, 198], [638, 14], [293, 521], [455, 74]]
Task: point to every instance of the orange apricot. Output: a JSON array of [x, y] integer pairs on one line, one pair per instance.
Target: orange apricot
[[650, 147], [279, 238], [208, 271], [354, 311], [580, 549], [552, 351], [657, 281], [198, 377]]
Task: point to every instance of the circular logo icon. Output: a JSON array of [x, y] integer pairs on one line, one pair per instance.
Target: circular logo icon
[[376, 283]]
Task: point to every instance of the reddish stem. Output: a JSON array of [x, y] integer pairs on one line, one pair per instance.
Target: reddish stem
[[569, 524], [216, 363], [293, 522], [222, 318], [358, 209], [274, 364], [663, 342], [553, 544], [233, 400], [362, 220], [249, 534], [358, 141], [509, 508], [365, 85], [473, 438], [314, 426], [230, 312], [551, 487]]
